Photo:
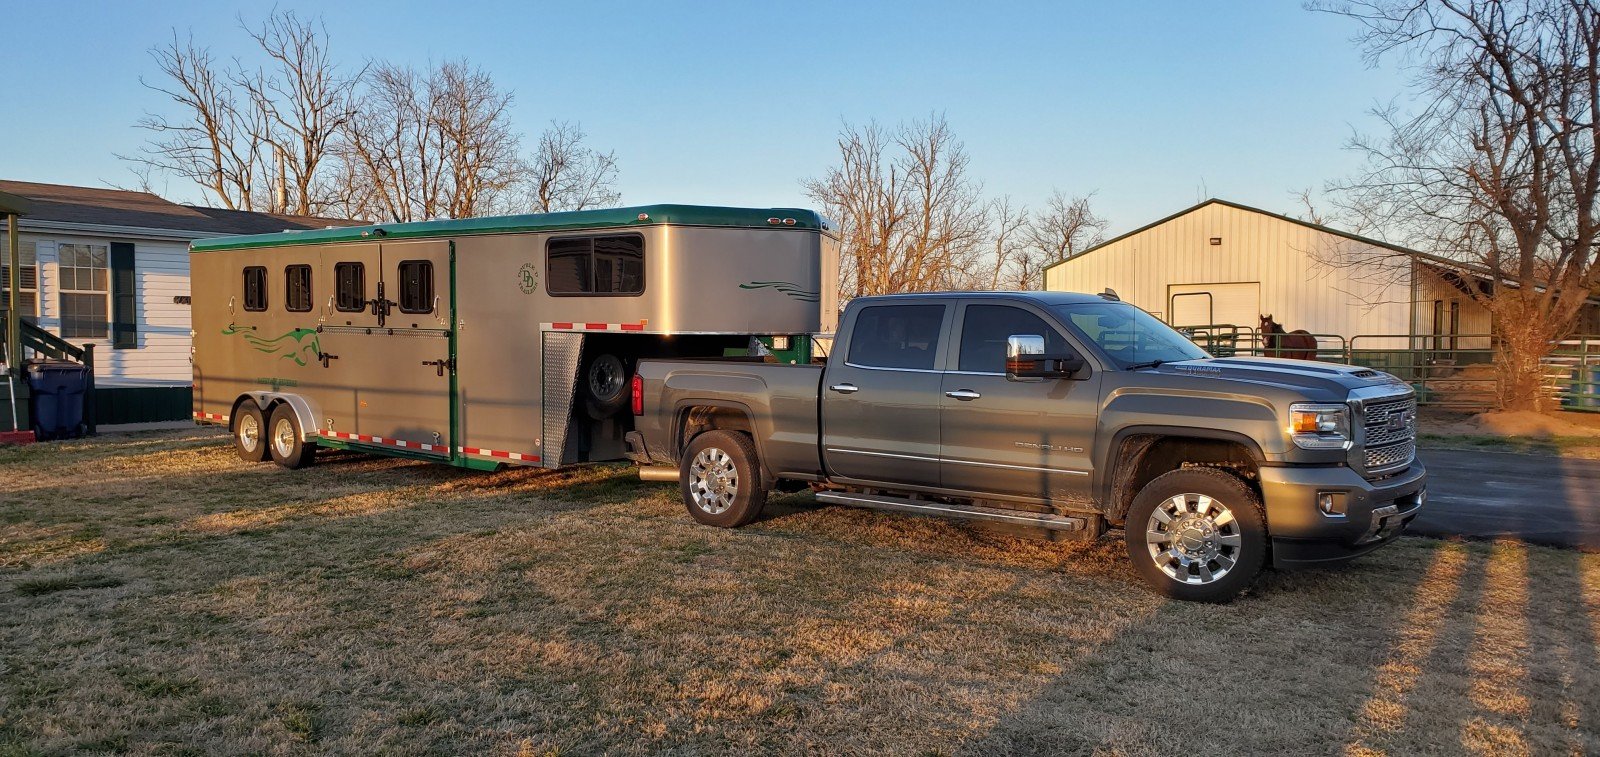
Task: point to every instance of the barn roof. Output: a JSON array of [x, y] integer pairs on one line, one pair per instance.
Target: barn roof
[[1438, 259]]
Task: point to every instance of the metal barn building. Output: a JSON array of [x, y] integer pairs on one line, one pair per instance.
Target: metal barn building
[[1224, 263]]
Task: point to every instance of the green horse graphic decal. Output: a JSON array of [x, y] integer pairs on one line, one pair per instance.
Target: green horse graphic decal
[[289, 346], [788, 288]]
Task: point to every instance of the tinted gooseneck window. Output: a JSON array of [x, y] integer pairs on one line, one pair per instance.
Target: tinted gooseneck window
[[255, 289], [350, 287], [896, 336], [297, 288], [416, 286], [596, 266]]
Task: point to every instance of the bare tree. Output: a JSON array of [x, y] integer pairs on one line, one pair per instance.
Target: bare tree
[[307, 101], [1013, 262], [435, 146], [563, 174], [1495, 166], [216, 140], [910, 218], [1064, 227]]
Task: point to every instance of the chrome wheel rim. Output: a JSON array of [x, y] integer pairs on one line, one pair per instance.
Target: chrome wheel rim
[[249, 433], [1194, 539], [283, 437], [713, 481]]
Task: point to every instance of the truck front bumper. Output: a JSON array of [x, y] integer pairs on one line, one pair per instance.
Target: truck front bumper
[[1373, 512]]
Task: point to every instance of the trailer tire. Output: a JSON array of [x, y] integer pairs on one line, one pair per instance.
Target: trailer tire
[[284, 438], [720, 477], [605, 386], [1197, 534], [250, 432]]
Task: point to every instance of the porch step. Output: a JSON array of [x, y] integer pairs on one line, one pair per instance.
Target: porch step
[[960, 512]]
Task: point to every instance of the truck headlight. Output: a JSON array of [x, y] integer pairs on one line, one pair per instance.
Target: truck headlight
[[1314, 426]]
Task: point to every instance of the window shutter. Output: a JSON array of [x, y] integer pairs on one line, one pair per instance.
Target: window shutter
[[124, 298]]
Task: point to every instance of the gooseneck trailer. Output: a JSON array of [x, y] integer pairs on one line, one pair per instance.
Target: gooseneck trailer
[[491, 341]]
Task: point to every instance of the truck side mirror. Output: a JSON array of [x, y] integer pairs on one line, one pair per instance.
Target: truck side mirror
[[1026, 359]]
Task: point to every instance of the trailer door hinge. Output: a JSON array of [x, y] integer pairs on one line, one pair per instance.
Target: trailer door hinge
[[441, 366]]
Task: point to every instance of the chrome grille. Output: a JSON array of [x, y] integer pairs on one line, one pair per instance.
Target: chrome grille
[[1389, 434]]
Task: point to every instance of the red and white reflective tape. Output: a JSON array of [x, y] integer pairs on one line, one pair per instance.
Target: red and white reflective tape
[[401, 443], [211, 417], [584, 326], [500, 453]]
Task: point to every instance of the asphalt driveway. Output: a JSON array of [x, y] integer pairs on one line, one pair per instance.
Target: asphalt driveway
[[1539, 499]]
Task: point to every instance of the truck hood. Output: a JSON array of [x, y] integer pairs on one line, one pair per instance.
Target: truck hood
[[1318, 381]]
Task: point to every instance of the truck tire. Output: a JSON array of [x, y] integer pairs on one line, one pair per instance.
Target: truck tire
[[720, 477], [288, 449], [250, 432], [605, 386], [1197, 534]]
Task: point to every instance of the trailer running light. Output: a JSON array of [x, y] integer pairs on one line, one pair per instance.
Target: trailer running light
[[637, 390]]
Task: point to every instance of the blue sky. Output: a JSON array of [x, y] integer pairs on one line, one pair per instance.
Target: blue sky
[[1151, 105]]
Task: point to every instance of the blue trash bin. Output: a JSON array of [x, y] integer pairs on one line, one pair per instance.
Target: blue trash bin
[[58, 389]]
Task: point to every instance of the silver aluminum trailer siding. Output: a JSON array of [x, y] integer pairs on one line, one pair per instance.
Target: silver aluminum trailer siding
[[443, 340]]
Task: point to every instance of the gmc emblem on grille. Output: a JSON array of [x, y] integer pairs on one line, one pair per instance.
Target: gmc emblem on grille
[[1398, 421]]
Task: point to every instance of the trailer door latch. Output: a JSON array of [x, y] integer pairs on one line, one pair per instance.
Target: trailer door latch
[[441, 365], [324, 357]]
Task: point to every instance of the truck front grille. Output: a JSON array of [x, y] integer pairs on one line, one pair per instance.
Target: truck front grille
[[1389, 434]]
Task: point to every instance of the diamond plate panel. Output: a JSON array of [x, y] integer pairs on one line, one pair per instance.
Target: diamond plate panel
[[562, 353]]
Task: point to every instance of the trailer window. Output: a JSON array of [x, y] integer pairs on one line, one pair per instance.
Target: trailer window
[[416, 286], [255, 289], [349, 287], [595, 266], [297, 288], [896, 336]]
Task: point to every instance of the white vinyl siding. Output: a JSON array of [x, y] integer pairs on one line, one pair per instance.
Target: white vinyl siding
[[161, 273]]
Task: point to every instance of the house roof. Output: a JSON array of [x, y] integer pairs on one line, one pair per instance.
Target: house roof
[[92, 206], [1444, 261], [642, 215]]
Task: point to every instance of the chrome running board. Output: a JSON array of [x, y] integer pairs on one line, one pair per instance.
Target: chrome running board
[[962, 512]]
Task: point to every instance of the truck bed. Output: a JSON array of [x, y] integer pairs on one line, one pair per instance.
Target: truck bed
[[779, 400]]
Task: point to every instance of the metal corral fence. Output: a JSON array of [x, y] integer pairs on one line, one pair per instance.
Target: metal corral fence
[[1574, 373], [1448, 370]]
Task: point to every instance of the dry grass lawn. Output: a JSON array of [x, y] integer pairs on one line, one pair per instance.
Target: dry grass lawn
[[157, 596]]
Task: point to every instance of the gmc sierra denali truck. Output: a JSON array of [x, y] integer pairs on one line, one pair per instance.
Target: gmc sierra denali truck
[[1053, 410]]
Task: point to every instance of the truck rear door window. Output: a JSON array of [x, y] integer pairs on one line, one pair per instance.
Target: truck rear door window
[[350, 287], [416, 286], [896, 336], [596, 266], [985, 329], [297, 288], [255, 288]]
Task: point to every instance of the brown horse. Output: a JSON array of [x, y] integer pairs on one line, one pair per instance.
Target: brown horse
[[1295, 345]]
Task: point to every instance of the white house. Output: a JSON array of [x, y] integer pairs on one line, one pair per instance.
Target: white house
[[111, 267], [1220, 262]]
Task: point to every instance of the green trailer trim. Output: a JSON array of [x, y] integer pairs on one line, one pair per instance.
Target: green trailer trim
[[608, 218], [457, 457]]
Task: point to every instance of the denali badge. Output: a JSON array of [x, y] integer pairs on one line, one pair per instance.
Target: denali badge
[[1051, 447]]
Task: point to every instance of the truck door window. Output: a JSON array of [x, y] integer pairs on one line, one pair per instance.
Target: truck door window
[[297, 288], [984, 330], [255, 288], [601, 265], [350, 287], [896, 336], [416, 286]]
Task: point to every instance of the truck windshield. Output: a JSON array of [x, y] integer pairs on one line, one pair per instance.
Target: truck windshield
[[1129, 336]]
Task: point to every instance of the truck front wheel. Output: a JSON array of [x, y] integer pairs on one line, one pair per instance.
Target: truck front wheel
[[721, 479], [1197, 534]]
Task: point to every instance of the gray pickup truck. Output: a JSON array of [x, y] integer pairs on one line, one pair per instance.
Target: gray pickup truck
[[1060, 411]]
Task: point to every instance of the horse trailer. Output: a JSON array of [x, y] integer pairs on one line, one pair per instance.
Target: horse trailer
[[491, 341]]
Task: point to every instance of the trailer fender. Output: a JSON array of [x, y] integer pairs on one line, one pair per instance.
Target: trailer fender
[[304, 411]]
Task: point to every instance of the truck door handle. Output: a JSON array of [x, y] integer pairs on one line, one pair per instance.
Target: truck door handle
[[963, 394], [845, 388]]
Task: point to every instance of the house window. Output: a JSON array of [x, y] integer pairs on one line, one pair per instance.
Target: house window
[[29, 281], [416, 286], [297, 288], [350, 287], [255, 289], [607, 265], [85, 290]]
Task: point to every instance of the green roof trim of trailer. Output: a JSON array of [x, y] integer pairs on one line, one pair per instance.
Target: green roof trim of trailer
[[607, 218]]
